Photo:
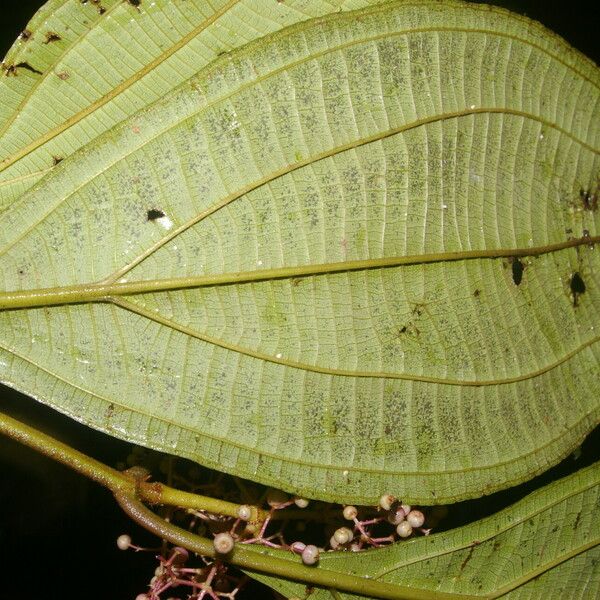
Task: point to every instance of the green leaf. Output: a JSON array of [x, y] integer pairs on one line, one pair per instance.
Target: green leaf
[[364, 278], [80, 68], [545, 546]]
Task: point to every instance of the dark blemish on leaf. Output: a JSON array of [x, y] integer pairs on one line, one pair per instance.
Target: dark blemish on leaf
[[154, 213], [576, 525], [28, 67], [56, 160], [577, 286], [96, 3], [403, 329], [296, 281], [589, 199], [467, 559], [25, 35], [517, 271], [52, 37], [135, 3], [63, 75], [477, 293], [12, 69]]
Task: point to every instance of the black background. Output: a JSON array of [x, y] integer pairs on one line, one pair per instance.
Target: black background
[[57, 530]]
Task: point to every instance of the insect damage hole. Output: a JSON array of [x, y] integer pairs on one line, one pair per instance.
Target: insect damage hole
[[158, 216], [51, 36], [155, 213], [517, 270], [577, 286]]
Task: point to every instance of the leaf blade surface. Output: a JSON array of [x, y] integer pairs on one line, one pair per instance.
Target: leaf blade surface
[[368, 137]]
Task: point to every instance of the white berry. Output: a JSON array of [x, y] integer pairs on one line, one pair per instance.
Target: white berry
[[298, 547], [123, 542], [386, 501], [301, 502], [416, 518], [310, 555], [244, 512], [350, 513], [223, 543], [343, 535], [404, 530], [396, 518]]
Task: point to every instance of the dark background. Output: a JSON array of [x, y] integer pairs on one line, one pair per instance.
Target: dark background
[[58, 530]]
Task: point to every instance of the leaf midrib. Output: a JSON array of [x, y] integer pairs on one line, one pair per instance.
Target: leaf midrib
[[91, 292]]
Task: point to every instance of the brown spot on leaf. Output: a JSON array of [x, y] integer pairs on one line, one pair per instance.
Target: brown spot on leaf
[[467, 559], [25, 35], [52, 37], [56, 160], [477, 293], [63, 75]]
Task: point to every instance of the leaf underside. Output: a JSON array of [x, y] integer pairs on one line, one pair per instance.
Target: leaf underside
[[353, 256], [545, 546]]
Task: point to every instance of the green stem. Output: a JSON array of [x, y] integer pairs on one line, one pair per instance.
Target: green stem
[[128, 482]]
